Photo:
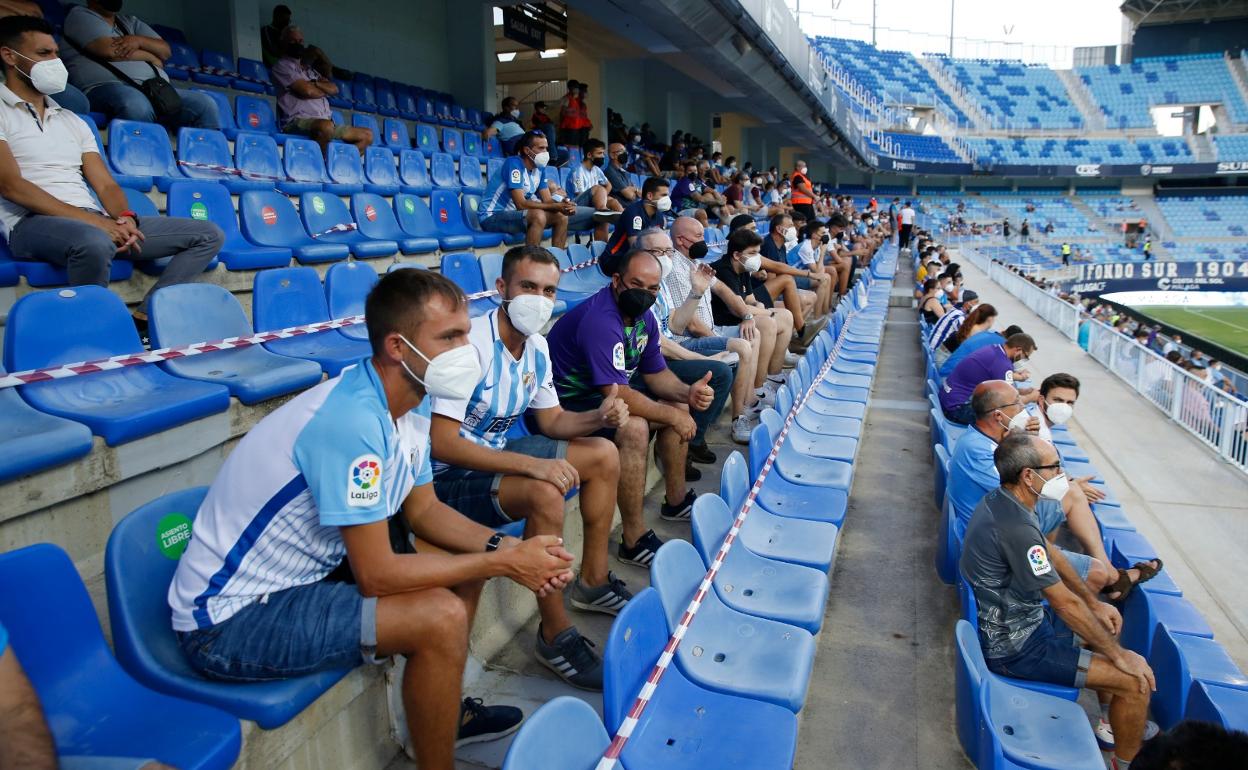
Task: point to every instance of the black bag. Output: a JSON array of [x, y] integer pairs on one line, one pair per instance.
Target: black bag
[[164, 98]]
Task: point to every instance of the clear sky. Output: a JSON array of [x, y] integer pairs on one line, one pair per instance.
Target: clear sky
[[1032, 31]]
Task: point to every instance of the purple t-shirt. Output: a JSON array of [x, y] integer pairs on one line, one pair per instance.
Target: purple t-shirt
[[289, 106], [987, 363], [590, 348]]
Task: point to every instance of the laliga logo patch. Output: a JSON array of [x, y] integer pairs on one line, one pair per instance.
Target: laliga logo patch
[[364, 481], [617, 356], [1038, 559], [515, 176]]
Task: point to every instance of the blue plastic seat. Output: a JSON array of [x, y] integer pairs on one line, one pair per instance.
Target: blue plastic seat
[[255, 113], [1127, 548], [755, 585], [31, 441], [791, 464], [463, 268], [182, 60], [93, 708], [684, 727], [380, 174], [1144, 612], [395, 135], [452, 227], [472, 145], [451, 141], [225, 110], [88, 323], [1112, 517], [206, 147], [255, 154], [269, 219], [304, 164], [415, 218], [211, 201], [198, 312], [323, 211], [414, 173], [729, 651], [794, 540], [470, 175], [345, 170], [1177, 661], [1226, 706], [253, 76], [347, 285], [377, 222], [215, 69], [427, 139], [293, 296], [817, 435], [565, 733], [138, 572], [142, 149], [442, 172], [940, 476]]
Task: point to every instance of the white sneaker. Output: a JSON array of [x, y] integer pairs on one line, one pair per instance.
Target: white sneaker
[[766, 398], [1105, 733], [741, 428], [790, 360]]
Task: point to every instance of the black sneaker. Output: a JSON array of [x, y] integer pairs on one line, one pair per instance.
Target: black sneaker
[[609, 597], [643, 551], [572, 657], [682, 511], [702, 454], [486, 723], [691, 473]]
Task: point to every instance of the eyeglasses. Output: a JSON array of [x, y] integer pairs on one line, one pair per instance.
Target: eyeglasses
[[656, 253], [1048, 467]]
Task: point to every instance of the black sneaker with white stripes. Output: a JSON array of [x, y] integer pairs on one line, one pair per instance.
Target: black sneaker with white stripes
[[609, 597], [572, 657], [682, 511], [642, 552]]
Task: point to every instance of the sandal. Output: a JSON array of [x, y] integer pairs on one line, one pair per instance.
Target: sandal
[[1123, 585]]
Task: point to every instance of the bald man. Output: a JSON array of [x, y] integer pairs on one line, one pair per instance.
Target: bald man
[[622, 187]]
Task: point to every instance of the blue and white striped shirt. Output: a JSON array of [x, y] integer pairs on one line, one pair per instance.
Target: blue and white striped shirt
[[512, 175], [946, 326]]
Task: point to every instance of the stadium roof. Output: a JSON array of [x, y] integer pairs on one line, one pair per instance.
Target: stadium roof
[[1164, 11]]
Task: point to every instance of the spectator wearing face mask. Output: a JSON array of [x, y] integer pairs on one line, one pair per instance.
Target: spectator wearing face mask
[[997, 362], [780, 278], [642, 214], [641, 159], [616, 171], [506, 126], [304, 86], [736, 269], [540, 121], [515, 200], [930, 306], [590, 187], [690, 197], [978, 320], [819, 278]]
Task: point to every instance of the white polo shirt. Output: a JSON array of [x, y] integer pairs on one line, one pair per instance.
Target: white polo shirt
[[48, 154]]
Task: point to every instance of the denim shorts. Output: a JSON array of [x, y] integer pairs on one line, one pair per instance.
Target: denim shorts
[[962, 414], [511, 222], [1051, 516], [475, 493], [804, 283], [707, 346], [585, 198], [1051, 654], [299, 631]]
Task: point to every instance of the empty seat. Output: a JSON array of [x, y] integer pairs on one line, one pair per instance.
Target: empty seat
[[726, 650], [793, 466], [31, 441], [210, 201], [89, 323], [182, 60], [752, 584], [377, 221], [142, 149], [293, 296], [472, 144], [255, 113], [256, 156], [139, 564], [1144, 612], [684, 727], [427, 139], [364, 120], [199, 312], [442, 171], [323, 213], [1179, 660], [201, 148], [345, 170], [253, 76], [453, 230], [564, 733], [1224, 706], [415, 218], [93, 707], [470, 174], [347, 285], [380, 174], [304, 164], [269, 219], [395, 135], [414, 173], [225, 110], [451, 141], [462, 268], [215, 69]]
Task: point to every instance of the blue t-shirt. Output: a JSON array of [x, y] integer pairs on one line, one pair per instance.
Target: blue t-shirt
[[969, 346], [989, 363], [632, 221], [972, 474], [512, 175], [591, 347]]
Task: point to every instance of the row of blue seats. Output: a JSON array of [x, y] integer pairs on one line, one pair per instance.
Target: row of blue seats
[[1003, 720], [740, 674]]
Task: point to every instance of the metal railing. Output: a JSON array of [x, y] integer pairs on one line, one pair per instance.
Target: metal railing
[[1217, 419]]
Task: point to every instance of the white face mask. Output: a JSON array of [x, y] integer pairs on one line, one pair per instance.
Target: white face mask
[[752, 263], [1055, 488], [541, 159], [790, 236], [1021, 364], [48, 76], [665, 262], [663, 204], [1018, 422], [1059, 413], [529, 312], [452, 374], [515, 113]]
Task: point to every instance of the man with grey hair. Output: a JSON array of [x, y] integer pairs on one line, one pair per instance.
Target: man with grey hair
[[1012, 569]]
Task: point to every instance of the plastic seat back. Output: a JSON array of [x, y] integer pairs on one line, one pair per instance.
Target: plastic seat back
[[491, 268], [181, 55], [225, 110], [303, 161], [256, 154], [343, 164], [969, 676], [396, 134], [463, 268], [734, 481], [322, 212], [204, 201], [375, 217], [254, 70], [565, 733], [451, 141], [140, 148], [255, 113], [942, 473], [675, 573], [269, 218], [288, 296], [472, 210], [636, 639], [347, 285], [217, 61], [404, 101], [204, 147], [446, 212], [442, 171], [493, 147], [760, 446], [427, 139], [413, 169], [492, 165], [80, 324], [364, 120], [470, 172], [414, 216], [379, 166], [471, 143], [365, 93]]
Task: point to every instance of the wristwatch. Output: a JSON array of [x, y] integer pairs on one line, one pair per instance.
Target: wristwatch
[[494, 541], [747, 317]]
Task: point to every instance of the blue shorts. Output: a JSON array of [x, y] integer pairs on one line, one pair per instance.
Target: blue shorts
[[299, 631], [962, 414], [805, 283], [1051, 516], [707, 346], [511, 222], [1051, 654], [475, 493]]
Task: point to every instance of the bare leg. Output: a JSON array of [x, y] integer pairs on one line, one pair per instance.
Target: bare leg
[[743, 386], [1128, 709], [671, 451], [559, 230], [784, 332], [767, 338], [535, 220], [541, 505], [633, 439]]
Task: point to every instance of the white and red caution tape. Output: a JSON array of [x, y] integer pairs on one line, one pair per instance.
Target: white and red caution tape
[[341, 227], [64, 371], [612, 755], [231, 170]]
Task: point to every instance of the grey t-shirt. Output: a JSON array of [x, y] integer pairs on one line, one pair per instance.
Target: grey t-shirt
[[618, 179], [82, 25], [1005, 558]]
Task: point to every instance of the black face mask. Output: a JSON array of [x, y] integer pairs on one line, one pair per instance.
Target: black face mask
[[622, 158], [825, 239], [296, 50], [112, 6], [697, 250], [692, 175], [599, 162], [634, 303]]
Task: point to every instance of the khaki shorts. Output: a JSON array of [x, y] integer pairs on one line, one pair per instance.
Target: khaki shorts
[[304, 126]]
